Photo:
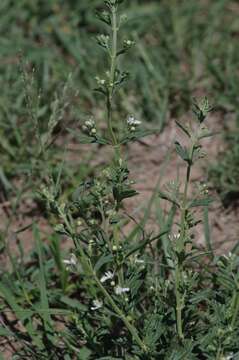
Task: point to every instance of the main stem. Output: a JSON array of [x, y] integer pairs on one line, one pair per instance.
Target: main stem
[[113, 57], [181, 242]]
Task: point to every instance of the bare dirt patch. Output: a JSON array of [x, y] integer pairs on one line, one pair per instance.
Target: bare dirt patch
[[146, 161]]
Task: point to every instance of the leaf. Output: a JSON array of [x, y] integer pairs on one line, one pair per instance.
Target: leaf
[[4, 331], [182, 152], [200, 202], [42, 282], [22, 314], [167, 197], [5, 182], [86, 139], [138, 134], [84, 354], [104, 259], [138, 247], [183, 128], [123, 192], [153, 330], [73, 303]]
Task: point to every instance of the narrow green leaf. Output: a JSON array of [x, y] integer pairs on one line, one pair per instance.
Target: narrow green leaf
[[183, 128], [182, 151], [23, 315], [200, 202], [42, 282], [104, 259]]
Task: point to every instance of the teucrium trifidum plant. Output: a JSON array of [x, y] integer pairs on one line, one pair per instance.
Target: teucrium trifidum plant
[[97, 203]]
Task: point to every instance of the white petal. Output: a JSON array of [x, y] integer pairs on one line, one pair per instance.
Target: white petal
[[108, 275], [119, 290], [96, 304]]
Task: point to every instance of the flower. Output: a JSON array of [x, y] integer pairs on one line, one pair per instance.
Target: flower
[[107, 275], [90, 123], [71, 262], [174, 237], [120, 290], [131, 121], [97, 304], [89, 127], [128, 44], [139, 261]]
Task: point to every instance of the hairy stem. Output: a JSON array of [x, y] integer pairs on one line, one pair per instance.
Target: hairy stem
[[180, 248], [113, 57]]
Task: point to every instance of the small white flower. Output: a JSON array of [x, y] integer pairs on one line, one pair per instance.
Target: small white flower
[[97, 304], [139, 261], [120, 290], [131, 121], [90, 123], [71, 262], [229, 256], [93, 131], [174, 237], [107, 276], [128, 43]]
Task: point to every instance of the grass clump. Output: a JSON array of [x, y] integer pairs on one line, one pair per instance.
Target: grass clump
[[123, 295]]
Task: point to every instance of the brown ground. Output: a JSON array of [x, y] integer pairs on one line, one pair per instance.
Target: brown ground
[[146, 161]]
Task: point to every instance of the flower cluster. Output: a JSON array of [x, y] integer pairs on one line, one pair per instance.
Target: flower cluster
[[89, 127], [132, 123]]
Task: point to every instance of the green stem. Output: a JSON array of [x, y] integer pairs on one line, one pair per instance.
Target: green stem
[[113, 56], [218, 355], [184, 203], [179, 303], [180, 247]]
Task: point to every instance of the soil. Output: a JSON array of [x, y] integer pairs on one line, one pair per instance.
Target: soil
[[147, 160]]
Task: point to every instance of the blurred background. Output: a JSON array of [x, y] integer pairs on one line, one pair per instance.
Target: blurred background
[[49, 59]]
